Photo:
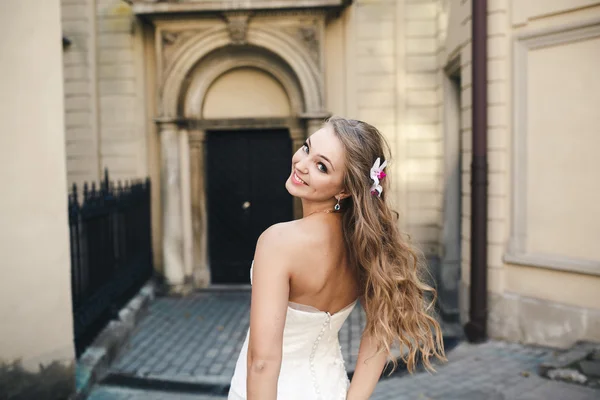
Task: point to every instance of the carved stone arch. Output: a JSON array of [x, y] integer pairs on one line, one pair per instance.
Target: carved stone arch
[[192, 65], [192, 100], [199, 46], [299, 59]]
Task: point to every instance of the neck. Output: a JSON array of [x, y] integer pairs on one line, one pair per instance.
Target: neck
[[309, 207]]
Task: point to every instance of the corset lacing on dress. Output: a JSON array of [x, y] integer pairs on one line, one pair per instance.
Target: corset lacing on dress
[[311, 358], [311, 352]]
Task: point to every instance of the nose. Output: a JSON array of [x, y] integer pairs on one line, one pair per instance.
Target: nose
[[302, 165]]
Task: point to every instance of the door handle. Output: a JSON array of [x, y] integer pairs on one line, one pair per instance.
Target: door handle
[[246, 205]]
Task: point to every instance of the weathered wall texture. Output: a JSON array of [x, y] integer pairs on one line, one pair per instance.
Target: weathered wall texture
[[81, 99], [381, 68], [542, 264], [35, 296], [122, 118], [104, 91]]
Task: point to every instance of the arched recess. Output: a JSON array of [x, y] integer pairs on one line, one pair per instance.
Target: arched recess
[[208, 71], [245, 93], [286, 48], [194, 66]]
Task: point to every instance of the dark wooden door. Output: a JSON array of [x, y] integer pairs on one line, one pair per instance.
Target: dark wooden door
[[246, 174]]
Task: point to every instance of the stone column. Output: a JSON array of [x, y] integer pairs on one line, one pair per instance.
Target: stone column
[[186, 205], [200, 271], [171, 201]]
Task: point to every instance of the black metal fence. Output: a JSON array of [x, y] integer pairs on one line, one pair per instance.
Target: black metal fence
[[111, 252]]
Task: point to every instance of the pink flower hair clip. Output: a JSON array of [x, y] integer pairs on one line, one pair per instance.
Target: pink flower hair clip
[[377, 174]]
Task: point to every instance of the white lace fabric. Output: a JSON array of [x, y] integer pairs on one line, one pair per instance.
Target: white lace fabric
[[312, 366]]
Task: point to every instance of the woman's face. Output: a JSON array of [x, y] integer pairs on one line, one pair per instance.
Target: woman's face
[[318, 167]]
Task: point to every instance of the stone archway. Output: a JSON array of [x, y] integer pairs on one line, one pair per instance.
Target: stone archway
[[190, 59]]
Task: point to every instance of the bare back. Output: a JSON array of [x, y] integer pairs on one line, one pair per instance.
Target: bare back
[[321, 275]]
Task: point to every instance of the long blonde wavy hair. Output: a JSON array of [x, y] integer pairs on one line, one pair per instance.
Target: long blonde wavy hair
[[397, 301]]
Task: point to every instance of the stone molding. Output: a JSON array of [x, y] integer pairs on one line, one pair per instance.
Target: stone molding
[[193, 124], [162, 7], [278, 43], [191, 54], [171, 40], [523, 319], [207, 72], [237, 25], [517, 252]]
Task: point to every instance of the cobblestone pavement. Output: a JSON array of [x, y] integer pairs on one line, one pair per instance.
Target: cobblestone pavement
[[490, 371], [184, 348], [197, 339], [118, 393]]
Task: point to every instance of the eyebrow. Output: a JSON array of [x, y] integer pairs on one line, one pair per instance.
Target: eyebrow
[[321, 155]]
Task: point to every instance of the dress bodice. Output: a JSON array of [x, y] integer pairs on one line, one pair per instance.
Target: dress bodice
[[311, 352]]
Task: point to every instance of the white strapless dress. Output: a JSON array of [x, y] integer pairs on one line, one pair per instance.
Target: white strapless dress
[[312, 367]]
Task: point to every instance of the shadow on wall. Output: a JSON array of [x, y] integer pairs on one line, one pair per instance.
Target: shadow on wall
[[52, 382]]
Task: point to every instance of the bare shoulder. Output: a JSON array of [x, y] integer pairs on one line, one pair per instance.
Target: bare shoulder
[[281, 243], [273, 246], [275, 236]]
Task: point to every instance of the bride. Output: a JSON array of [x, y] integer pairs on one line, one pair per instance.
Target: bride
[[308, 275]]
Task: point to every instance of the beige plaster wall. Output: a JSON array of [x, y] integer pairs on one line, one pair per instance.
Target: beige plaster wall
[[365, 79], [532, 303], [122, 118], [424, 159], [563, 97], [558, 50], [35, 295], [579, 290], [382, 67], [523, 12], [104, 91], [246, 93], [81, 97]]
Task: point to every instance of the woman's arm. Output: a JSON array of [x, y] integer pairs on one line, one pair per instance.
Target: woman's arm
[[369, 367], [270, 294]]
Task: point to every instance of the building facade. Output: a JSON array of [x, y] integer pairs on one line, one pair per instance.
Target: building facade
[[205, 96], [209, 99], [36, 338]]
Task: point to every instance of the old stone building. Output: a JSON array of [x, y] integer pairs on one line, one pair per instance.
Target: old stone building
[[210, 98], [203, 96]]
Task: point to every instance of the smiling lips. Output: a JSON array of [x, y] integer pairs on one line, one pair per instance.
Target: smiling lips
[[296, 179]]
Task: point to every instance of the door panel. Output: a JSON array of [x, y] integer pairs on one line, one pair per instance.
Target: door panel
[[246, 174]]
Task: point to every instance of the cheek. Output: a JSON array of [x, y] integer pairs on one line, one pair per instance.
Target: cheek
[[323, 182], [297, 156]]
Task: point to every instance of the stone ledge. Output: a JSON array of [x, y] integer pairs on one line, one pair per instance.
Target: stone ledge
[[93, 364], [150, 7], [531, 321]]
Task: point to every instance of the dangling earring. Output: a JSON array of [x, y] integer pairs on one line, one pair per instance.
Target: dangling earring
[[337, 206]]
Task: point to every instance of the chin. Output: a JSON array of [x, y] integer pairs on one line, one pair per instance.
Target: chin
[[291, 188]]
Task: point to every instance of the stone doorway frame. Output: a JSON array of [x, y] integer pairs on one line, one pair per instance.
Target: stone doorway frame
[[190, 56]]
